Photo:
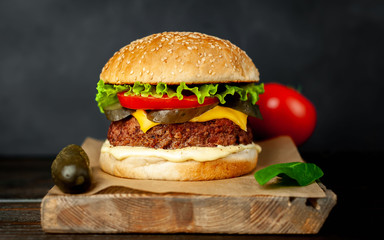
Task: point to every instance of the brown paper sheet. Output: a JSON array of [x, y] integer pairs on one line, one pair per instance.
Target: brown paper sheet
[[277, 150]]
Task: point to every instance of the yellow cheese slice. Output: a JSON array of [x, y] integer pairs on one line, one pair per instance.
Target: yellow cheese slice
[[145, 123], [217, 112]]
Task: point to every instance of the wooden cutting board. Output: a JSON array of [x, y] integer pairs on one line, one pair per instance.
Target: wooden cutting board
[[122, 210]]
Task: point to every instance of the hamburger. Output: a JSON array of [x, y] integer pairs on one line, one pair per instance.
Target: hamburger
[[178, 103]]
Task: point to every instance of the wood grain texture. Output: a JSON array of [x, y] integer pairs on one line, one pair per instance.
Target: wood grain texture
[[121, 210]]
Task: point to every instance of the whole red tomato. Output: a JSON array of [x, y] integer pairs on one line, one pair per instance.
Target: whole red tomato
[[285, 112]]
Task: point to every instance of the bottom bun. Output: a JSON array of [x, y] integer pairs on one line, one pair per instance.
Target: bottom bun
[[233, 165]]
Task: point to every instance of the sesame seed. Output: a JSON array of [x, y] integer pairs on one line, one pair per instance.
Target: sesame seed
[[131, 72]]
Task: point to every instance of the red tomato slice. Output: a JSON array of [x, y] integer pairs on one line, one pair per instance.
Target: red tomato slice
[[150, 102]]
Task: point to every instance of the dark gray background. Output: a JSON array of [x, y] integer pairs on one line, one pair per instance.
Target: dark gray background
[[51, 54]]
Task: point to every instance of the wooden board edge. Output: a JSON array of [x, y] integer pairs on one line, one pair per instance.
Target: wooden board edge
[[291, 215]]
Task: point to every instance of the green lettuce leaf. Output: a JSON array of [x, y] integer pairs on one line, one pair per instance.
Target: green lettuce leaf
[[106, 93], [303, 173]]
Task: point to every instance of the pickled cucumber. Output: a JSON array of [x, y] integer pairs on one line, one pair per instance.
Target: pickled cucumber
[[177, 115], [71, 171], [116, 112]]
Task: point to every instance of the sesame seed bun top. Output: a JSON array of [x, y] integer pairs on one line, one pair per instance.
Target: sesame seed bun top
[[175, 57]]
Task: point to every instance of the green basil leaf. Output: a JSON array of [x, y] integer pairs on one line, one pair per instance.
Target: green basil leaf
[[303, 173]]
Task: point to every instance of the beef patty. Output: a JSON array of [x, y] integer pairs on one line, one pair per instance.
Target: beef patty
[[127, 132]]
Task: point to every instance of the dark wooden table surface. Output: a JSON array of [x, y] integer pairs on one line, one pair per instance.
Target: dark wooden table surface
[[356, 178]]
